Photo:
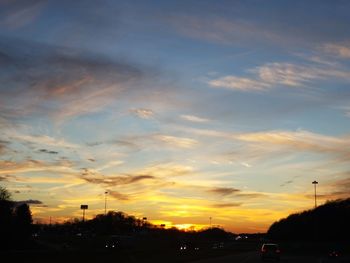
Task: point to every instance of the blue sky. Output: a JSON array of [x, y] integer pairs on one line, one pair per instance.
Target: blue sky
[[181, 110]]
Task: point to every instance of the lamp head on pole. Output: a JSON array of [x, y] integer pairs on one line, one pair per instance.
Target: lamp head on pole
[[314, 182]]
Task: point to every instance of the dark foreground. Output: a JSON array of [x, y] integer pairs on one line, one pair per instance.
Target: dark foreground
[[254, 257], [163, 255]]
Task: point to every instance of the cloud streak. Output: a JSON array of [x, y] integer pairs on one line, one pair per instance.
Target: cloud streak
[[339, 50], [19, 13], [63, 82], [93, 178], [143, 113], [194, 118], [224, 191], [276, 74], [179, 142]]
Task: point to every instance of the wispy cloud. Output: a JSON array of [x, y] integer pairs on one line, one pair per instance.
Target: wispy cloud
[[41, 140], [299, 140], [3, 146], [69, 83], [47, 151], [167, 170], [174, 141], [30, 202], [19, 13], [339, 50], [93, 178], [194, 118], [238, 83], [221, 30], [7, 177], [223, 191], [275, 74], [31, 165], [118, 195], [226, 205], [142, 113]]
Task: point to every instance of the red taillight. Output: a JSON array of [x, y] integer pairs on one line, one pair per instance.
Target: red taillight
[[263, 250]]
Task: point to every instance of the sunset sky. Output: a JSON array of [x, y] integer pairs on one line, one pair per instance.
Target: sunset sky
[[181, 110]]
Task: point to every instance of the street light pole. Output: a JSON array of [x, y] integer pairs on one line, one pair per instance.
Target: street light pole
[[106, 202], [315, 183]]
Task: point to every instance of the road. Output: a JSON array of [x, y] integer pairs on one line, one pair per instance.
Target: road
[[254, 257]]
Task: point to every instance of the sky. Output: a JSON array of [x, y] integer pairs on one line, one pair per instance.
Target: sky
[[181, 110]]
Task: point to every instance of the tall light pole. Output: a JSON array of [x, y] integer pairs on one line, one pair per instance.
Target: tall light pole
[[84, 207], [106, 202], [210, 222], [315, 183]]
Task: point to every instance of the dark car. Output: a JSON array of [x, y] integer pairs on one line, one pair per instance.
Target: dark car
[[270, 252], [112, 243], [334, 253]]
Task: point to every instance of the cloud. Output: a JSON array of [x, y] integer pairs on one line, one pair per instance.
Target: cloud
[[233, 192], [179, 142], [226, 205], [286, 74], [276, 141], [287, 182], [194, 118], [3, 146], [30, 202], [61, 82], [40, 140], [118, 195], [92, 177], [47, 151], [300, 141], [167, 170], [238, 83], [224, 191], [19, 13], [335, 189], [6, 177], [275, 74], [339, 50], [110, 164], [251, 195], [142, 113], [221, 30], [31, 165]]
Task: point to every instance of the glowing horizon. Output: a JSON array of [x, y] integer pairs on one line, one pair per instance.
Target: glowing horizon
[[181, 111]]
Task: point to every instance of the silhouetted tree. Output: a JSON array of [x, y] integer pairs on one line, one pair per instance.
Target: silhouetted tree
[[5, 217], [23, 221]]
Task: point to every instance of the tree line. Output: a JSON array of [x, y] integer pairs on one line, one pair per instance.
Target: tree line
[[326, 223], [17, 229]]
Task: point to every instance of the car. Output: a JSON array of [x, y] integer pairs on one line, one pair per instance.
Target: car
[[334, 253], [187, 247], [112, 243], [270, 251]]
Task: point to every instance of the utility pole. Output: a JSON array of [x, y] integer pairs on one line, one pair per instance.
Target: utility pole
[[210, 221], [315, 183]]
